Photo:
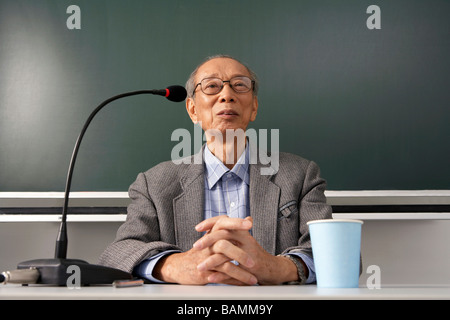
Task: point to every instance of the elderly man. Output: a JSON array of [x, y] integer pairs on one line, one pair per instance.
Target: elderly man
[[219, 220]]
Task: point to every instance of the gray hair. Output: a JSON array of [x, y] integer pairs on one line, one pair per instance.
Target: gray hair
[[190, 83]]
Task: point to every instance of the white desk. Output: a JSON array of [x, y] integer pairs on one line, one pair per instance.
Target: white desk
[[182, 292]]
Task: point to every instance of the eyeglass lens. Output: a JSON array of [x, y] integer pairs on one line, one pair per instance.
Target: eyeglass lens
[[215, 85]]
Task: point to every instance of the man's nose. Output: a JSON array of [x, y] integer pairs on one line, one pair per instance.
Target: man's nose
[[227, 94]]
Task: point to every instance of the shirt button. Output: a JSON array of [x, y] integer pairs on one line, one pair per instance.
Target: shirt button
[[232, 204]]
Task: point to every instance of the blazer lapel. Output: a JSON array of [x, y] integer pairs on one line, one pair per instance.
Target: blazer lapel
[[188, 206], [264, 203]]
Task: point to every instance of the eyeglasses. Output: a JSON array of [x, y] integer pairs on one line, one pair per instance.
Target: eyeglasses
[[212, 86]]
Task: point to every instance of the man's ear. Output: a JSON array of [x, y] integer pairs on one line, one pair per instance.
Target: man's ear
[[191, 109], [255, 108]]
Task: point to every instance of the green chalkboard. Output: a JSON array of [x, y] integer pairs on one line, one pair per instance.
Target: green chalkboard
[[365, 96]]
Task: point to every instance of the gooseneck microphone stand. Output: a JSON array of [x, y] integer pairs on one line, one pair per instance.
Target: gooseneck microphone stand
[[55, 271]]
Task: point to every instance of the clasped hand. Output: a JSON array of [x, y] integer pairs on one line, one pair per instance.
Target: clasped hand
[[224, 244], [227, 253]]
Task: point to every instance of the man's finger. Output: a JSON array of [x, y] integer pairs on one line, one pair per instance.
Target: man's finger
[[211, 262], [208, 240], [207, 224], [224, 222], [233, 252], [233, 271]]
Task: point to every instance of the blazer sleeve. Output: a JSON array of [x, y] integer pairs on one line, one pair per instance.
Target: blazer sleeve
[[138, 238], [312, 205]]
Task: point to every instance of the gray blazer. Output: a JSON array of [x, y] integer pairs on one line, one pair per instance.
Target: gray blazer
[[167, 203]]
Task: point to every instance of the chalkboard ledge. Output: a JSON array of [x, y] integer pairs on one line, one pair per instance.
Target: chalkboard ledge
[[111, 206]]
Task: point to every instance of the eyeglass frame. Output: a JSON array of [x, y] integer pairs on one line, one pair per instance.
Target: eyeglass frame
[[223, 85]]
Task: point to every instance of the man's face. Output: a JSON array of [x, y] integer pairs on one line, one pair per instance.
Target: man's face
[[226, 109]]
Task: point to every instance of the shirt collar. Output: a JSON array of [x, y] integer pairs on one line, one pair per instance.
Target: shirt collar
[[215, 169]]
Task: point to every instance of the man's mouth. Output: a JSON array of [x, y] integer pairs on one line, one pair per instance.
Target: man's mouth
[[227, 112]]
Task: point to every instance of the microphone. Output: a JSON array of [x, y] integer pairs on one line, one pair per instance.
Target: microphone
[[55, 271], [173, 93]]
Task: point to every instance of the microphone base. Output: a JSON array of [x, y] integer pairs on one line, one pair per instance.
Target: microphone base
[[55, 272]]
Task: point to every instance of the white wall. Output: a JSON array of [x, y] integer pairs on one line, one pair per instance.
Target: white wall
[[20, 241], [408, 252]]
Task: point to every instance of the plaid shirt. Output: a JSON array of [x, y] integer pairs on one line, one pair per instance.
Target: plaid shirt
[[226, 191]]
